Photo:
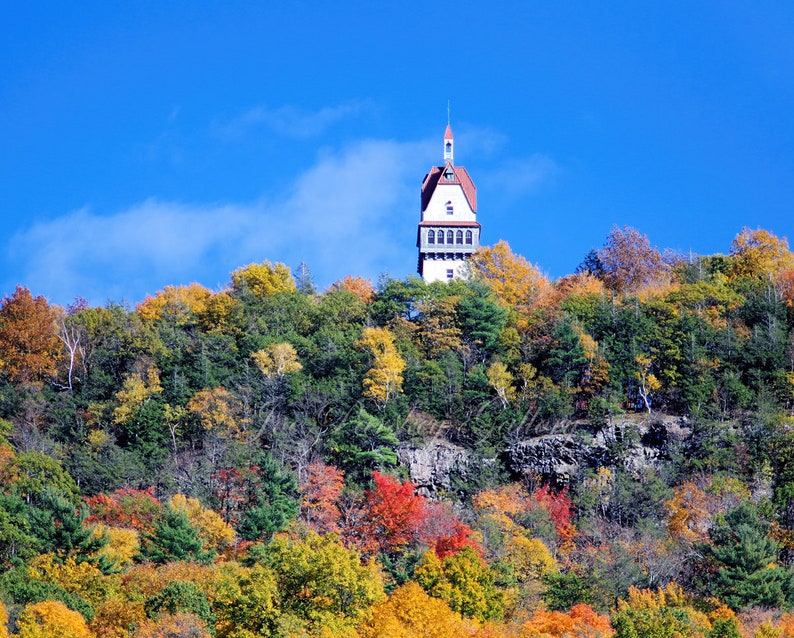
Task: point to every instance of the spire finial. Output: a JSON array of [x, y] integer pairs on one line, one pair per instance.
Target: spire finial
[[448, 120]]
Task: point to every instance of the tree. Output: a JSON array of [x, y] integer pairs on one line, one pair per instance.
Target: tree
[[741, 558], [628, 261], [411, 613], [29, 343], [515, 282], [277, 360], [384, 379], [51, 619], [760, 254], [272, 501], [317, 576], [263, 280], [362, 444], [179, 304], [181, 597], [174, 539], [216, 534], [581, 621], [360, 287], [392, 517], [321, 490], [464, 581], [665, 613]]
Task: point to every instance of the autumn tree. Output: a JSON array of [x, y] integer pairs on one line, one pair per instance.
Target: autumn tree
[[263, 280], [385, 378], [515, 282], [173, 539], [411, 613], [464, 581], [29, 345], [321, 490], [51, 619], [179, 304], [392, 516], [277, 360], [216, 534], [360, 287], [629, 262], [760, 254]]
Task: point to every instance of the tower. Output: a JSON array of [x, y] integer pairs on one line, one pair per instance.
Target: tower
[[448, 229]]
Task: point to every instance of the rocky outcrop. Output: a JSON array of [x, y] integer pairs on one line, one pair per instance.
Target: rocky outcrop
[[431, 466], [635, 442]]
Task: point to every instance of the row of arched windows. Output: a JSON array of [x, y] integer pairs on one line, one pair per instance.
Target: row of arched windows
[[452, 237]]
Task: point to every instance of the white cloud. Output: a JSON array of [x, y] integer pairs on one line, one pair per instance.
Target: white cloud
[[353, 212], [289, 120]]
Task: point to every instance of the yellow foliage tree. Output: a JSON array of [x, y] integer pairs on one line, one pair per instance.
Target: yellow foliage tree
[[217, 410], [178, 303], [122, 547], [114, 617], [3, 620], [173, 626], [82, 579], [502, 382], [277, 360], [385, 378], [647, 383], [411, 613], [687, 513], [51, 619], [137, 389], [759, 253], [216, 534], [263, 280], [515, 282]]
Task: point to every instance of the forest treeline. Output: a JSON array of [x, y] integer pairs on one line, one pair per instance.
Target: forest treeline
[[225, 463]]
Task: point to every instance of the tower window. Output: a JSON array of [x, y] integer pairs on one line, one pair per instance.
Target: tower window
[[468, 237], [450, 237], [450, 273], [449, 175], [431, 237], [450, 209], [459, 237]]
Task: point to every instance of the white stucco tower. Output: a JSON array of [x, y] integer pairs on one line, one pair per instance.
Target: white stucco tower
[[448, 230]]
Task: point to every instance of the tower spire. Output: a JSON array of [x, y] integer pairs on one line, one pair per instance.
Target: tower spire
[[449, 142]]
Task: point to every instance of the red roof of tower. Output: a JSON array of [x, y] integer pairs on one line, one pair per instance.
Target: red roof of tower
[[461, 177], [448, 133]]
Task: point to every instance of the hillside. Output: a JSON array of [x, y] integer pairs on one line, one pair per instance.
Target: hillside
[[607, 453]]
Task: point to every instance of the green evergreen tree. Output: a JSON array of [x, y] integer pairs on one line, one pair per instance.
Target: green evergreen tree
[[181, 596], [363, 444], [273, 504], [743, 559], [174, 538]]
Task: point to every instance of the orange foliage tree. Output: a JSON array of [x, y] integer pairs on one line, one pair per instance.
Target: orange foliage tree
[[630, 263], [360, 287], [321, 490], [581, 621], [29, 344], [515, 282]]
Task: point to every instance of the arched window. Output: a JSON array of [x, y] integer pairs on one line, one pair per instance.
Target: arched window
[[450, 209], [431, 237], [459, 237], [450, 237], [468, 237]]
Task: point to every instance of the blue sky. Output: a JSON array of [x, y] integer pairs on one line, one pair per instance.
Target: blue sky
[[154, 143]]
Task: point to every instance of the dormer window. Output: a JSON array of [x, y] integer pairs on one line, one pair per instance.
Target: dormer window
[[449, 175]]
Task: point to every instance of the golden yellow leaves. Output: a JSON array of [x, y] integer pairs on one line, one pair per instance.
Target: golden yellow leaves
[[277, 360], [263, 280], [138, 388], [384, 379]]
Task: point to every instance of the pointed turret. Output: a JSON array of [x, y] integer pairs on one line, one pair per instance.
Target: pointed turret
[[449, 144]]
